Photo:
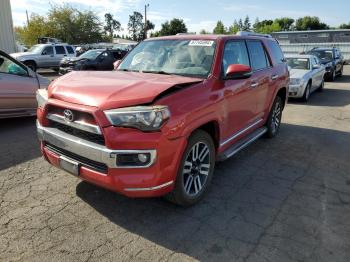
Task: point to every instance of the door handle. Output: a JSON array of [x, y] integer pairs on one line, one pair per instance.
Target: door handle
[[64, 55], [254, 84], [274, 77]]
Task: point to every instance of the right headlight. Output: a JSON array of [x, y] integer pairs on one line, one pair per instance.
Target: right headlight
[[145, 118], [295, 81]]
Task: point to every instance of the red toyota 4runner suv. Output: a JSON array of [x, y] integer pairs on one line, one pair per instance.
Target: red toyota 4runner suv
[[174, 106]]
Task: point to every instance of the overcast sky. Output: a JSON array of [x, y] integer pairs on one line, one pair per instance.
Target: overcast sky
[[198, 14]]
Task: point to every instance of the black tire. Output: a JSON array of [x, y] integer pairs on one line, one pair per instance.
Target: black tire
[[332, 77], [31, 65], [274, 121], [341, 71], [194, 175], [321, 87], [307, 93], [56, 69]]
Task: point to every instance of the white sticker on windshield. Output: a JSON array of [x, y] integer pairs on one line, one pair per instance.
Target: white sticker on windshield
[[201, 43]]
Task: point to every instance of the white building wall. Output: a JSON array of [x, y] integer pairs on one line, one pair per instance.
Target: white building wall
[[7, 37]]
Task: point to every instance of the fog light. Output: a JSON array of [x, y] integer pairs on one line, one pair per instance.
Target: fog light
[[143, 158], [130, 160]]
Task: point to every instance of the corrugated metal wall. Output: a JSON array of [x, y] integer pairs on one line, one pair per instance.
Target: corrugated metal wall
[[298, 48], [7, 38]]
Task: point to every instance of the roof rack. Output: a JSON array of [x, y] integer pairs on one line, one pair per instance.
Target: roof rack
[[246, 33]]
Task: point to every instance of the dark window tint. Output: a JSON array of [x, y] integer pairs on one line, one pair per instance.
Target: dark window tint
[[257, 55], [69, 49], [277, 54], [235, 53], [60, 50], [48, 50]]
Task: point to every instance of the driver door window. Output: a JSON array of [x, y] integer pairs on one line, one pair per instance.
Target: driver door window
[[47, 51], [235, 53]]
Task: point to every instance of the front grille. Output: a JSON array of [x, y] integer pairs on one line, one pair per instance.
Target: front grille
[[95, 138], [78, 115], [91, 164]]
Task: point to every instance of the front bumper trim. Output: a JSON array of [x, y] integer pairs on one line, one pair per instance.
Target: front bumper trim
[[150, 188], [87, 149]]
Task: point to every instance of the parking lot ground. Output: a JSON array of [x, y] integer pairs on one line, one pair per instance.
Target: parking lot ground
[[285, 199]]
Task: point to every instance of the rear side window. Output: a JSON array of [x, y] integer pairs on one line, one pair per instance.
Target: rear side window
[[235, 53], [69, 49], [276, 52], [257, 55], [60, 50]]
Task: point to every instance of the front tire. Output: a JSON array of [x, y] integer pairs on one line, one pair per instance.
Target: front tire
[[195, 171], [321, 87], [341, 71], [274, 121], [307, 93]]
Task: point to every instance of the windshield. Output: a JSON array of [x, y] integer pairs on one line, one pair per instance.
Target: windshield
[[324, 55], [299, 63], [180, 57], [91, 54], [36, 49]]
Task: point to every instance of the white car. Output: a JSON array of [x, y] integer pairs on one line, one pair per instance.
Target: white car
[[45, 55], [306, 75]]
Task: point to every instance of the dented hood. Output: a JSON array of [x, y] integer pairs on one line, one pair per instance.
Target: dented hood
[[113, 89]]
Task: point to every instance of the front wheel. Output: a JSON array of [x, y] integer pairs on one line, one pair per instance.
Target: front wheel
[[195, 171], [341, 71], [274, 121], [31, 65]]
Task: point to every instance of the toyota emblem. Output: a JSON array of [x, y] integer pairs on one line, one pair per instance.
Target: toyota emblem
[[68, 115]]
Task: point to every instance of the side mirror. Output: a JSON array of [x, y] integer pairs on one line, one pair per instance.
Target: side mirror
[[44, 53], [316, 66], [116, 64], [238, 71]]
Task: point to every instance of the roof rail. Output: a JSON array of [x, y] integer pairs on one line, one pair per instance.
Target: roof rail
[[246, 33]]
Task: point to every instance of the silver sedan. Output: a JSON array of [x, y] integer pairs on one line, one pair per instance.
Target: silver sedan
[[306, 75]]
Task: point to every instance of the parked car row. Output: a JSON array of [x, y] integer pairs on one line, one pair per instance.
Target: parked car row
[[309, 70], [63, 58]]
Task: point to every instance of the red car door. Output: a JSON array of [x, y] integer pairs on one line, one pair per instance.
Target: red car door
[[239, 95]]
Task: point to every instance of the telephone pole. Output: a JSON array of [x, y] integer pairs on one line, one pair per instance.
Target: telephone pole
[[145, 26]]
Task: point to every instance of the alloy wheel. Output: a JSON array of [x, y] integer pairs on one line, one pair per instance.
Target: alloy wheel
[[196, 169], [276, 117]]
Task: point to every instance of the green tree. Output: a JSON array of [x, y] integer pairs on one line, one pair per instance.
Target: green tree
[[310, 23], [246, 24], [136, 26], [270, 28], [65, 23], [219, 28], [286, 23], [345, 26], [111, 25], [175, 26], [234, 28], [203, 32]]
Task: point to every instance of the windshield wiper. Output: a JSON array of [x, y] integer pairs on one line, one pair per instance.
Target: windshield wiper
[[156, 72]]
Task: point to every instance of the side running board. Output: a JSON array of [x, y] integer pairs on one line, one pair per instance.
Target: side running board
[[244, 142]]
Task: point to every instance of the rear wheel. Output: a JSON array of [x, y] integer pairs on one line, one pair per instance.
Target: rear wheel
[[307, 93], [31, 65], [321, 87], [341, 71], [195, 171], [274, 121], [332, 77]]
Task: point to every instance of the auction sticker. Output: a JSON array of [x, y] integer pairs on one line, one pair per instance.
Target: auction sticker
[[201, 43]]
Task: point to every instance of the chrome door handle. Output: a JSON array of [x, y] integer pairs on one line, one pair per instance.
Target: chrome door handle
[[254, 84], [274, 77]]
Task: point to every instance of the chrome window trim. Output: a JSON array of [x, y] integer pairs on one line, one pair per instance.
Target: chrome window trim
[[89, 149], [150, 188], [76, 124], [242, 131]]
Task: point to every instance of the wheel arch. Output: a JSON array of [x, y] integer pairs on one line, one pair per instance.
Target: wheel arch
[[213, 129]]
